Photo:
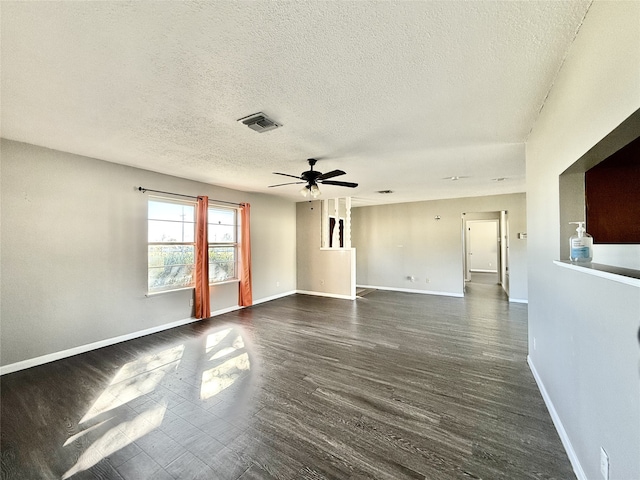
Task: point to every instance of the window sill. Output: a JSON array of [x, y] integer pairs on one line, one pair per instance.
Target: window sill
[[233, 280], [162, 292], [627, 276]]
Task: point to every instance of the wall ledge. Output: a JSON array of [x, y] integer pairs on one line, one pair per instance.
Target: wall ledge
[[627, 276]]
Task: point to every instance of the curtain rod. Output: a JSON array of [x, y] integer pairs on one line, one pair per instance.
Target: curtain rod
[[143, 190]]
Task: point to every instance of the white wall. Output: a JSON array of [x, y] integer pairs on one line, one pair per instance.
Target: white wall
[[321, 271], [586, 351], [398, 241], [74, 251]]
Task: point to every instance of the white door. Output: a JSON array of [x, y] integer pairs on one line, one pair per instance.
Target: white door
[[483, 246]]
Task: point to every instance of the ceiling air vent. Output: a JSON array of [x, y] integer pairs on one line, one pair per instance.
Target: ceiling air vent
[[259, 122]]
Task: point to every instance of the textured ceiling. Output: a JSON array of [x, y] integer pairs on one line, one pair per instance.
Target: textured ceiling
[[400, 95]]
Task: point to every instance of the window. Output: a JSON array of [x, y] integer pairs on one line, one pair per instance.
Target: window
[[223, 243], [171, 249], [171, 233]]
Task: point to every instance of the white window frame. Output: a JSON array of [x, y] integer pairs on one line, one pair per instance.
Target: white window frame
[[234, 244], [169, 288]]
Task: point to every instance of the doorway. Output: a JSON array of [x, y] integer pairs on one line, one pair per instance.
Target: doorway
[[485, 249], [482, 252]]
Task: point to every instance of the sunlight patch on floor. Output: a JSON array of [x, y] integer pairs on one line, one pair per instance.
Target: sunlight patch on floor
[[223, 376], [118, 437], [134, 379], [215, 338], [238, 344], [81, 434]]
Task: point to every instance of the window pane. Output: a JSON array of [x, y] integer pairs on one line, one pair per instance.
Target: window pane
[[222, 254], [164, 278], [222, 263], [222, 216], [161, 255], [165, 210], [221, 271], [222, 233], [168, 231], [170, 266]]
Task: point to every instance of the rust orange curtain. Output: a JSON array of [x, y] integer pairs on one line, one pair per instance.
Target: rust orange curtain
[[245, 296], [202, 298]]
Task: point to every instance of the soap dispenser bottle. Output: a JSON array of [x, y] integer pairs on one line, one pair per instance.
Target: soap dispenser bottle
[[580, 245]]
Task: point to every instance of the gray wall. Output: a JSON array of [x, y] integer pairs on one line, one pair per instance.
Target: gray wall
[[401, 240], [321, 271], [74, 251], [584, 327]]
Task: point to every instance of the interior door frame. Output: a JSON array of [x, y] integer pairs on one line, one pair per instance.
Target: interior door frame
[[496, 223], [502, 219]]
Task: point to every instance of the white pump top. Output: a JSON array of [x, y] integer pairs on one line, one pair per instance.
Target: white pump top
[[580, 228]]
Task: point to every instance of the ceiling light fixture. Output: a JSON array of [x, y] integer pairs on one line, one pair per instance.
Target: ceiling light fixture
[[499, 179], [311, 189], [454, 178], [385, 192]]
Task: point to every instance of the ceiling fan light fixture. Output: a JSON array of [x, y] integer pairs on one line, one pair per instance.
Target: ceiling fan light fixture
[[314, 190], [312, 178]]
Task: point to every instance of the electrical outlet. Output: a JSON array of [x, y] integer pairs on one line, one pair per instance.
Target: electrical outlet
[[427, 281], [191, 302], [321, 282], [277, 284], [604, 464]]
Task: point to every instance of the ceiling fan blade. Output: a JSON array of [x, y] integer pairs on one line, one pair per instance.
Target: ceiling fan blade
[[340, 184], [281, 184], [331, 174], [286, 175]]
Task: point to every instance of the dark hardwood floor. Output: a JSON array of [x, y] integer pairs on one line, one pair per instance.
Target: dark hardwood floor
[[390, 386]]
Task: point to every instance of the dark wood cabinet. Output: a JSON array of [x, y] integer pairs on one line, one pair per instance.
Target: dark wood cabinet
[[612, 197]]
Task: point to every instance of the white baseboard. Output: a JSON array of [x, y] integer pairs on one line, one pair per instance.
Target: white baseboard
[[518, 300], [566, 442], [411, 290], [51, 357], [221, 312], [323, 294], [274, 297]]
